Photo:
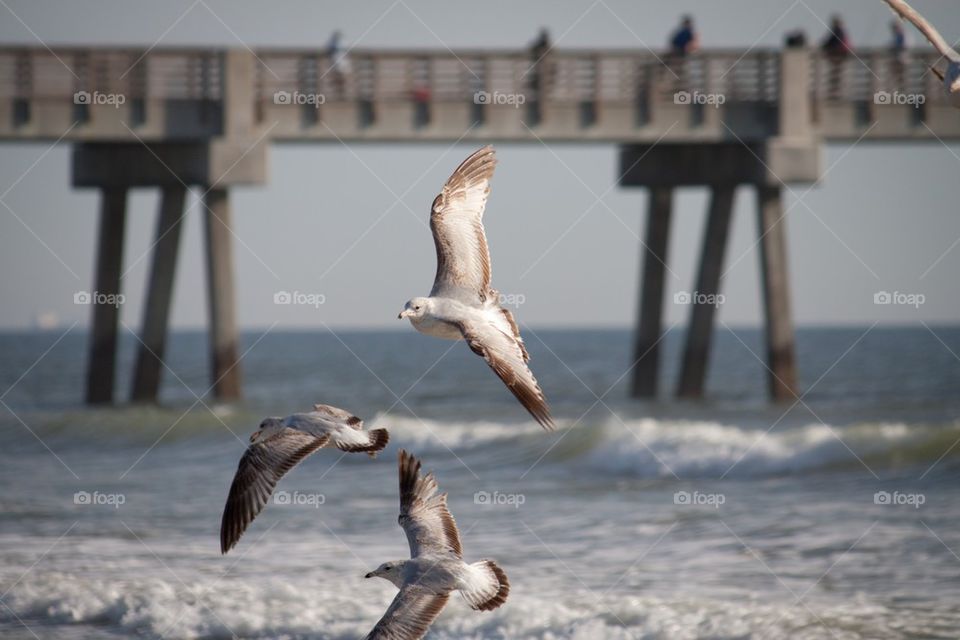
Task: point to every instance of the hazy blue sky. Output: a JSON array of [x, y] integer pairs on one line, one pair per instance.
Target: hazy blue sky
[[885, 212]]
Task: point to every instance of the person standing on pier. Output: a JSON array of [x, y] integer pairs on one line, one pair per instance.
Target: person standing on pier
[[541, 70], [899, 53], [338, 66], [836, 46], [685, 40]]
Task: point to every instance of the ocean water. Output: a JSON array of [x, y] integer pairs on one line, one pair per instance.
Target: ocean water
[[834, 517]]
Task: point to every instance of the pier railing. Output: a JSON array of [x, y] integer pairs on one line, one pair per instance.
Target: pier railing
[[617, 95]]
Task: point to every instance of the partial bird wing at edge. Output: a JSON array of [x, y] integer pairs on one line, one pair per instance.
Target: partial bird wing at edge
[[930, 32]]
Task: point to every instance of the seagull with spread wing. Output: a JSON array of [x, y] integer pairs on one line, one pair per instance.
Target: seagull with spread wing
[[462, 305], [277, 447], [950, 79], [436, 567]]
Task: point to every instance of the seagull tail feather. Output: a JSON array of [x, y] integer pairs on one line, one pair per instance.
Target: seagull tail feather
[[487, 602], [378, 440]]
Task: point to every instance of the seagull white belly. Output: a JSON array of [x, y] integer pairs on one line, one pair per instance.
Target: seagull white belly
[[436, 328], [437, 574]]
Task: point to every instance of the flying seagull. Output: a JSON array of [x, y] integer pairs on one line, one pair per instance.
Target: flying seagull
[[277, 447], [951, 79], [462, 304], [436, 565]]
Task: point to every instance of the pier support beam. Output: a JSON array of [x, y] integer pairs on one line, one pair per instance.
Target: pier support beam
[[156, 313], [781, 362], [646, 354], [224, 339], [700, 329], [101, 367]]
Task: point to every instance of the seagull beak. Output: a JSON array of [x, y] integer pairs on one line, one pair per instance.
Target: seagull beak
[[370, 575], [403, 314]]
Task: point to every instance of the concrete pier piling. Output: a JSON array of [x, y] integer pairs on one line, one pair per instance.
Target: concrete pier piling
[[646, 351], [103, 300], [156, 312], [696, 353]]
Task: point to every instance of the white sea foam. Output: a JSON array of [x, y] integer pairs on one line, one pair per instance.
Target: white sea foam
[[275, 608], [649, 447]]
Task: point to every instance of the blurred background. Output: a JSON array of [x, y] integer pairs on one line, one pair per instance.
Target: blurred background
[[212, 212]]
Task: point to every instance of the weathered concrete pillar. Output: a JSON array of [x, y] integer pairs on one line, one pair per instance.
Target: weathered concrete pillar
[[101, 367], [224, 338], [156, 312], [650, 312], [239, 97], [700, 330], [794, 114], [782, 375]]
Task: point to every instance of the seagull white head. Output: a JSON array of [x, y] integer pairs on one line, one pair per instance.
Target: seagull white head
[[269, 427], [415, 308], [389, 571]]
